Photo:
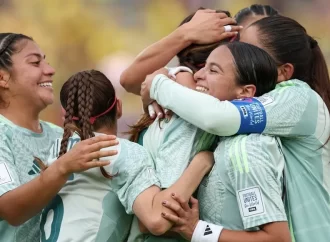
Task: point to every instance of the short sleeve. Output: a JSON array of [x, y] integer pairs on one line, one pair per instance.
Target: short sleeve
[[256, 177], [292, 110], [9, 178]]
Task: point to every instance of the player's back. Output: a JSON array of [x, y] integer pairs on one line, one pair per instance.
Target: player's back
[[172, 144], [87, 208], [299, 116]]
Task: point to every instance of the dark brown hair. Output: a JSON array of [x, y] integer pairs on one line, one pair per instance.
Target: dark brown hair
[[288, 42], [9, 45], [84, 95], [256, 10], [194, 57]]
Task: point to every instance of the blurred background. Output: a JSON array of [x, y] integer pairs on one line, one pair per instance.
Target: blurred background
[[108, 34]]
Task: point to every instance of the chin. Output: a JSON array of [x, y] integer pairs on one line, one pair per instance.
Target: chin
[[48, 101]]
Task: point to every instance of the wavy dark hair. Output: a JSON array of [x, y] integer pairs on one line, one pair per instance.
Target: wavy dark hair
[[194, 56]]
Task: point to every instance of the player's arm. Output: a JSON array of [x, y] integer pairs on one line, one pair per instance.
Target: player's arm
[[20, 202], [148, 205], [278, 112], [258, 190], [157, 55], [214, 116]]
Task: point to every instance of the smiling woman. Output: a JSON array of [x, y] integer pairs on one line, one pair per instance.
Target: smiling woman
[[26, 77], [25, 90]]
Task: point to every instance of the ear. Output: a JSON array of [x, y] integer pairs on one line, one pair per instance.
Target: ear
[[4, 79], [246, 91], [119, 109], [285, 72]]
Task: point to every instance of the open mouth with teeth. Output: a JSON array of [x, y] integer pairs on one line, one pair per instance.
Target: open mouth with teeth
[[201, 89], [46, 84]]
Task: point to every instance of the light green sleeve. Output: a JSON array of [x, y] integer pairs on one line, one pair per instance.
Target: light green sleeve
[[9, 178], [293, 109], [204, 111], [256, 177]]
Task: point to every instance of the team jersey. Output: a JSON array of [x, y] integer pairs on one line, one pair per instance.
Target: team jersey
[[244, 189], [172, 144], [95, 206], [18, 147], [295, 113]]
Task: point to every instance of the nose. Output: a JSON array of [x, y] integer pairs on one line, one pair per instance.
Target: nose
[[49, 70], [199, 75]]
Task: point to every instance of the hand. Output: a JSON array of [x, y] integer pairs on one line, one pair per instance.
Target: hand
[[207, 26], [85, 154], [187, 219], [149, 105]]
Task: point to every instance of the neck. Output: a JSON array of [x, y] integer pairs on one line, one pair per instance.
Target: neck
[[25, 117], [108, 131]]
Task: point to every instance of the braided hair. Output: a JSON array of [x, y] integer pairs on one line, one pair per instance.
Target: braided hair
[[84, 95]]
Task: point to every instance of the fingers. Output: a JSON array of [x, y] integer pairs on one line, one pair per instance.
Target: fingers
[[207, 10], [227, 35], [227, 21], [236, 28], [181, 201], [174, 207], [99, 138], [101, 144], [100, 154], [172, 218], [194, 203], [158, 110], [95, 163]]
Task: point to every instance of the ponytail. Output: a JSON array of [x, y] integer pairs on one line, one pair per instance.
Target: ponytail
[[319, 79]]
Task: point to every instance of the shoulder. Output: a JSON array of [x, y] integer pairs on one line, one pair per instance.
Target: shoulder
[[6, 133], [294, 90], [51, 128]]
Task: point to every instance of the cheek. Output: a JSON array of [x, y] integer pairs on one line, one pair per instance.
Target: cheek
[[222, 89]]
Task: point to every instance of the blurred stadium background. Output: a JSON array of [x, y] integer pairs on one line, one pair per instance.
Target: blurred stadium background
[[108, 34]]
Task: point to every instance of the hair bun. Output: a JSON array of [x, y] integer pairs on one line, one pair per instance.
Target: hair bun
[[313, 43]]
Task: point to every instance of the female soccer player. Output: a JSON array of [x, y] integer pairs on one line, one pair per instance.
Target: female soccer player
[[26, 90], [296, 111]]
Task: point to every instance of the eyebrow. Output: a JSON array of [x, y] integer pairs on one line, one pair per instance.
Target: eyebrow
[[37, 55], [217, 65]]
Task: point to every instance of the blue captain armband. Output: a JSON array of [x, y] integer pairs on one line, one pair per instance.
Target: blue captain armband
[[253, 115]]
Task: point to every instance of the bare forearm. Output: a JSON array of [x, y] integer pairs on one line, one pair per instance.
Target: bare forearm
[[185, 185], [152, 58], [24, 202], [257, 236]]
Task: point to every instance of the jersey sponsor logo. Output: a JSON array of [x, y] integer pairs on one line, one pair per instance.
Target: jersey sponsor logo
[[253, 115], [4, 174], [251, 201]]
